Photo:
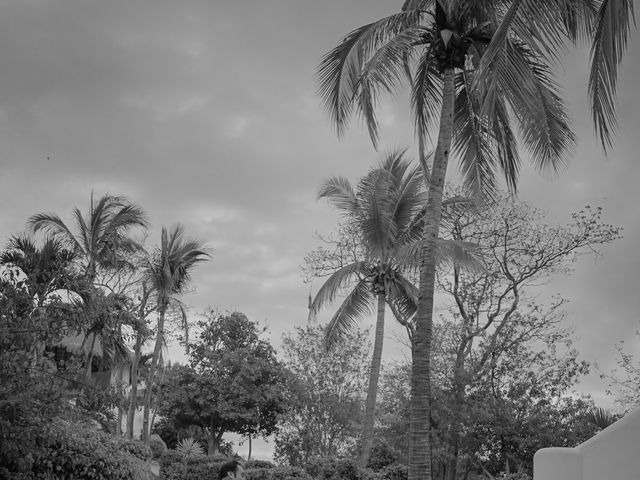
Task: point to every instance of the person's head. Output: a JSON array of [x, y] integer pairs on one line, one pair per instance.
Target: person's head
[[232, 470]]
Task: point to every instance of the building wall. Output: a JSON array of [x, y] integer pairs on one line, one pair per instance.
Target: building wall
[[613, 453]]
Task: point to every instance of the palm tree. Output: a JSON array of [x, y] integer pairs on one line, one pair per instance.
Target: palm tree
[[101, 240], [384, 208], [480, 66], [46, 269], [169, 272]]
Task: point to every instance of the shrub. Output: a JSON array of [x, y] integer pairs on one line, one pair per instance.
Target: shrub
[[257, 474], [288, 473], [333, 469], [382, 454], [63, 449], [320, 468], [514, 476], [395, 471], [188, 447], [136, 448], [258, 464], [157, 445], [174, 466]]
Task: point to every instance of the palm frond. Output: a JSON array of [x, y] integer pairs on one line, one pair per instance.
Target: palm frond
[[337, 282], [338, 76], [376, 222], [426, 96], [609, 44], [404, 297], [383, 73], [358, 303], [339, 192], [51, 224], [460, 253], [472, 141]]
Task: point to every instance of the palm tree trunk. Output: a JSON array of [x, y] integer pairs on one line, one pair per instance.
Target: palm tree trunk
[[152, 372], [89, 359], [372, 389], [419, 424], [120, 409], [133, 395]]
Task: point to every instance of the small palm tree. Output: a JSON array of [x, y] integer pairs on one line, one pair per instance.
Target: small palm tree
[[46, 268], [169, 271], [189, 448], [384, 208]]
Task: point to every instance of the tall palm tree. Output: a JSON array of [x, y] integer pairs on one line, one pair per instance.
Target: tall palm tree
[[481, 67], [101, 240], [169, 272], [384, 208]]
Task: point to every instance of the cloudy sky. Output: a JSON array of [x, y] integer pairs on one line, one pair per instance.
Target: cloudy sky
[[205, 113]]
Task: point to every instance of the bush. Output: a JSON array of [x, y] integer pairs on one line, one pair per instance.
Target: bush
[[70, 450], [174, 466], [333, 469], [188, 447], [258, 464], [258, 470], [157, 445], [395, 471], [514, 476], [136, 448], [257, 474], [288, 473], [382, 454]]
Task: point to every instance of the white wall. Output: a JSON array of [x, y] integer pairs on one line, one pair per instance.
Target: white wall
[[613, 453]]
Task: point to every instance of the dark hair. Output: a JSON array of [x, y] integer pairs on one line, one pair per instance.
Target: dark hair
[[231, 466]]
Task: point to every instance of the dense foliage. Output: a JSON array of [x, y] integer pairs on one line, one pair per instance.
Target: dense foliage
[[326, 396], [233, 383]]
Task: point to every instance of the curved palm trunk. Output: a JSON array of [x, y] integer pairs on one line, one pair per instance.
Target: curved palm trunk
[[152, 372], [419, 427], [372, 389]]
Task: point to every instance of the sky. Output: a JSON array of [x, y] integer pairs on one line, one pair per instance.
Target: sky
[[206, 114]]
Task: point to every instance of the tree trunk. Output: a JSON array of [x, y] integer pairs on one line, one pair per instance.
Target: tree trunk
[[215, 437], [133, 377], [249, 454], [120, 410], [89, 359], [152, 371], [454, 435], [419, 425], [372, 389]]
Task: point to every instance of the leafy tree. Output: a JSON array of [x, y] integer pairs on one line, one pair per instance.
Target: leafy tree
[[624, 381], [325, 395], [169, 271], [493, 309], [479, 67], [233, 383], [383, 209]]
